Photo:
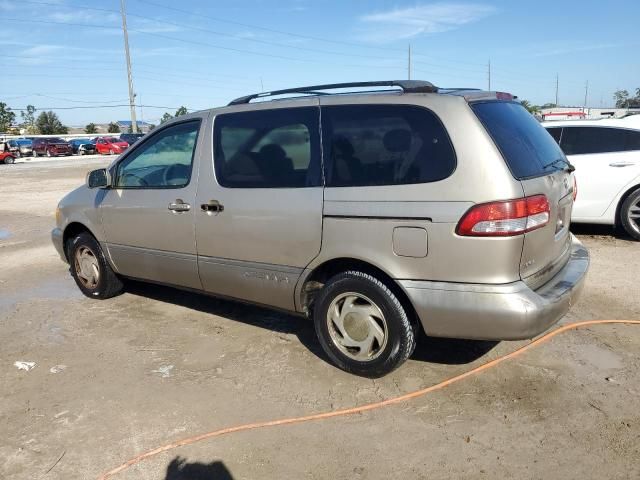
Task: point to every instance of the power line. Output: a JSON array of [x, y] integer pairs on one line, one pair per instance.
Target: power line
[[84, 107]]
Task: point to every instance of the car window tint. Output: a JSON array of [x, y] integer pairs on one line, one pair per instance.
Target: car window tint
[[527, 148], [632, 140], [556, 133], [163, 161], [586, 140], [268, 148], [367, 145]]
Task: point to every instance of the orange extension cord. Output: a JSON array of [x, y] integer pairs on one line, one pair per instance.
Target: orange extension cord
[[362, 408]]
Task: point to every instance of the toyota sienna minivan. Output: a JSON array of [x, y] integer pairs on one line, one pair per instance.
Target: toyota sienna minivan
[[382, 214]]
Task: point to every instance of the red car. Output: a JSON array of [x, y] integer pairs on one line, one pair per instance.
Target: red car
[[6, 157], [110, 145], [50, 146]]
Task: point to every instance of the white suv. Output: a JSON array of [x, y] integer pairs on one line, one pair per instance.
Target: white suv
[[606, 154]]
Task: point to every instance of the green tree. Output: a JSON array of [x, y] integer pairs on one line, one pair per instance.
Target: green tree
[[622, 98], [181, 111], [29, 119], [113, 128], [7, 117], [48, 123], [166, 117], [533, 109], [91, 128], [151, 127]]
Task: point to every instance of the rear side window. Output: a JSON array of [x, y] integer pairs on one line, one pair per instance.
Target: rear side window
[[525, 145], [268, 148], [586, 140], [366, 145]]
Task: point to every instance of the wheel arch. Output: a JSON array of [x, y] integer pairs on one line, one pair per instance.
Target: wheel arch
[[71, 230], [313, 280], [623, 197]]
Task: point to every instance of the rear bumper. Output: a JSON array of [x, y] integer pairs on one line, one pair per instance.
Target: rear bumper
[[57, 240], [498, 312]]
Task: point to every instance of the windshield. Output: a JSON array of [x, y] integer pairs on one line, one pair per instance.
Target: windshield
[[526, 146], [113, 140]]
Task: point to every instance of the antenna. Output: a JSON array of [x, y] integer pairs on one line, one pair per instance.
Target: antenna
[[132, 103]]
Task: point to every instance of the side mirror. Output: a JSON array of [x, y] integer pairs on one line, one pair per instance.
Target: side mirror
[[98, 178]]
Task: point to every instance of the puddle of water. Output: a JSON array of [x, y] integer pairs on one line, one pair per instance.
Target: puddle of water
[[53, 289], [4, 233]]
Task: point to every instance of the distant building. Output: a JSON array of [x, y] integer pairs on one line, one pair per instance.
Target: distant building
[[580, 113], [143, 127]]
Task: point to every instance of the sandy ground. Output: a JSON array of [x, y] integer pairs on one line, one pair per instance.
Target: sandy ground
[[156, 364]]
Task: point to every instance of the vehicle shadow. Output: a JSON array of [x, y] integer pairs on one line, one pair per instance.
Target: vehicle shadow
[[428, 349], [180, 469], [599, 230]]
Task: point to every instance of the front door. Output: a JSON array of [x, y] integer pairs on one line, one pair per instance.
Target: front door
[[148, 214], [259, 219]]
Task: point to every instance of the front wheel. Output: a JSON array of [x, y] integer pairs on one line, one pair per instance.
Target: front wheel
[[48, 153], [630, 214], [90, 269], [362, 326]]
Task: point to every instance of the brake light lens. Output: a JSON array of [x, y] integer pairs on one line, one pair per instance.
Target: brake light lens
[[505, 218]]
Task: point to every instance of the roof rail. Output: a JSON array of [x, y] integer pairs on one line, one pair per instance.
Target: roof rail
[[407, 86]]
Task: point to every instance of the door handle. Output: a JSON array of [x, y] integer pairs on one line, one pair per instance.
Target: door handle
[[179, 206], [621, 164], [214, 206]]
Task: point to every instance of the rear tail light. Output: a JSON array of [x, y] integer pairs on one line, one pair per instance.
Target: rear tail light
[[505, 218]]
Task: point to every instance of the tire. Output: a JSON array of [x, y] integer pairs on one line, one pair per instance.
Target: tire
[[9, 160], [48, 153], [34, 154], [630, 214], [95, 277], [372, 308], [18, 154]]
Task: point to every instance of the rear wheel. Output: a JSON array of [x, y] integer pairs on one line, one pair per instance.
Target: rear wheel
[[9, 160], [90, 269], [48, 153], [630, 214], [18, 154], [362, 326]]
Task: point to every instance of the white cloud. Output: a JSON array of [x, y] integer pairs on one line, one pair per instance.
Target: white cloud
[[403, 23]]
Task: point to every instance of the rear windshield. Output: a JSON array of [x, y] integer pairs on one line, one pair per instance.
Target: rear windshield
[[525, 145]]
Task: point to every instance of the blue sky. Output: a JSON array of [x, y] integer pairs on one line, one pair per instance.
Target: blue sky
[[198, 53]]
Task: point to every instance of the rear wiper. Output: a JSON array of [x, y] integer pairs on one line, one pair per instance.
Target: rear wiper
[[569, 166]]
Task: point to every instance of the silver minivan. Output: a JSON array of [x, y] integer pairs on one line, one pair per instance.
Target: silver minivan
[[378, 214]]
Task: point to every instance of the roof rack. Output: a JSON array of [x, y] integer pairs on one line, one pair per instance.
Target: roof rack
[[407, 86]]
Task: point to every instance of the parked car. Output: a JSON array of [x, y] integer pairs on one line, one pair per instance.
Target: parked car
[[82, 146], [110, 145], [131, 138], [606, 154], [50, 146], [438, 210], [20, 147], [7, 157]]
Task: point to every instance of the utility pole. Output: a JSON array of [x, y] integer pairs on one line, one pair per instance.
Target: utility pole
[[489, 75], [557, 79], [586, 94], [409, 64], [132, 103]]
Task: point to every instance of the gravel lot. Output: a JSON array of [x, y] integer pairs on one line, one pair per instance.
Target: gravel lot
[[156, 364]]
